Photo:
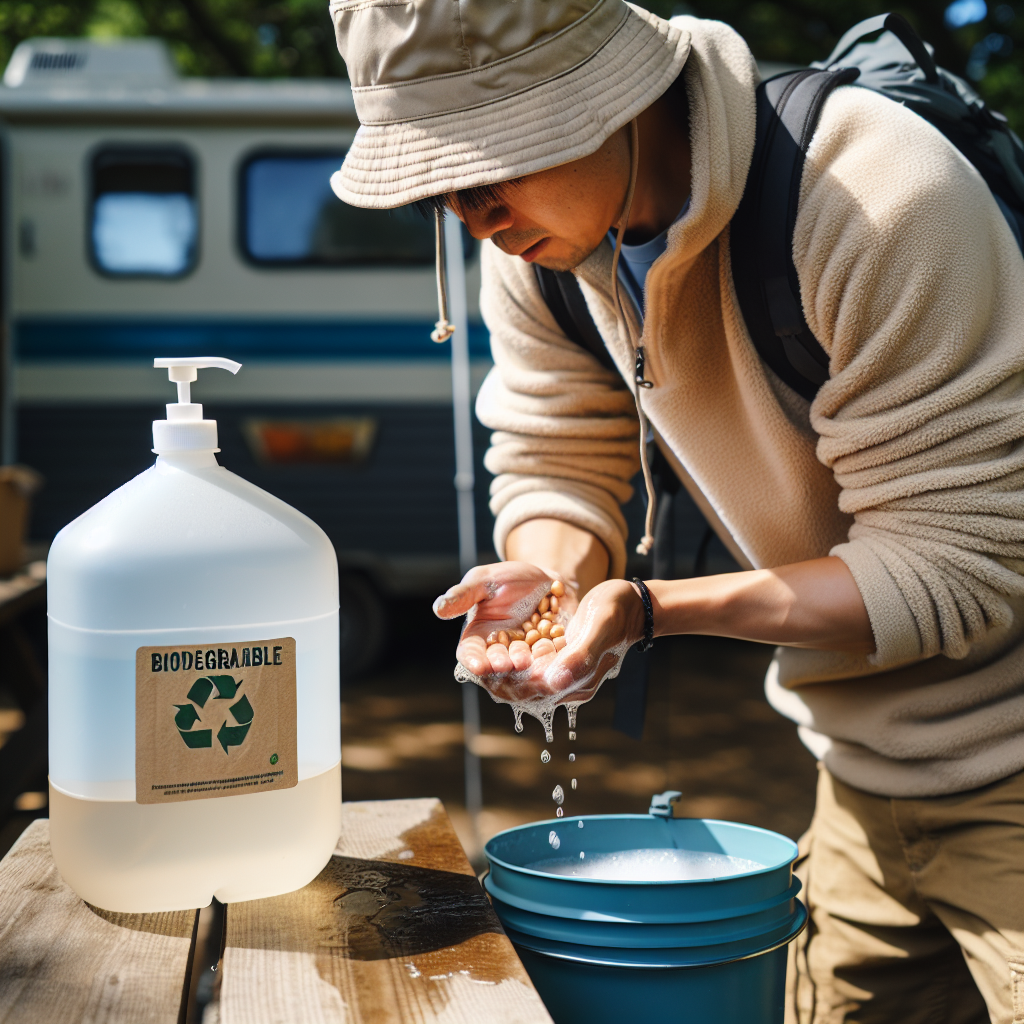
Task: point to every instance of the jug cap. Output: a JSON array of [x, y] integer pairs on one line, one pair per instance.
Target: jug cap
[[185, 429]]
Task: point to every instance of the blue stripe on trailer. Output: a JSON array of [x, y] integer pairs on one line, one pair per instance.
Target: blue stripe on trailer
[[95, 338]]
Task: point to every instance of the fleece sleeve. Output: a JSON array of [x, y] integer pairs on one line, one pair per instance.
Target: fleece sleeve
[[565, 428], [913, 283]]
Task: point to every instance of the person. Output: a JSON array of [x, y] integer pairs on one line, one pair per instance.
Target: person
[[880, 527]]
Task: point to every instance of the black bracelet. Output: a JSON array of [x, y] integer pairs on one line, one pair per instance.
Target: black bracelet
[[645, 595]]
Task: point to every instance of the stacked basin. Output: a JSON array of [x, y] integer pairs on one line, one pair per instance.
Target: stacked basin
[[703, 951]]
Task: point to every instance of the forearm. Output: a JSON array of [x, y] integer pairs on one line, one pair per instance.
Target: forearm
[[575, 554], [808, 604]]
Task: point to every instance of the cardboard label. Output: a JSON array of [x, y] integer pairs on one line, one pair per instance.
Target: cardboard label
[[214, 720]]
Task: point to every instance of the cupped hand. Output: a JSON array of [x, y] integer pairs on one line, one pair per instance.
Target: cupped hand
[[600, 630], [499, 596]]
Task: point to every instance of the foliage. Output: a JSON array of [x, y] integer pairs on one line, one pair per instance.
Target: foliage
[[989, 52], [207, 37], [295, 37]]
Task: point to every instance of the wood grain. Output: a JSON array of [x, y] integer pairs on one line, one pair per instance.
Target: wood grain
[[63, 961], [395, 929]]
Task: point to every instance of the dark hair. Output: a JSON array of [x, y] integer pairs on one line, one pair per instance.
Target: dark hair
[[480, 197]]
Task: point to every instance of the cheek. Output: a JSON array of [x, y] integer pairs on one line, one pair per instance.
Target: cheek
[[576, 218]]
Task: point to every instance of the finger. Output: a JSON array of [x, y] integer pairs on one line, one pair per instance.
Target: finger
[[559, 642], [520, 654], [542, 647], [472, 654], [501, 663], [460, 599]]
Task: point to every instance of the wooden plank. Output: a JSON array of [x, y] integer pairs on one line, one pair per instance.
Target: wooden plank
[[395, 929], [64, 962]]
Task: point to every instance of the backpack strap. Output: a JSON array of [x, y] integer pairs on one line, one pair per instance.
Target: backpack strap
[[761, 232], [562, 294], [901, 29]]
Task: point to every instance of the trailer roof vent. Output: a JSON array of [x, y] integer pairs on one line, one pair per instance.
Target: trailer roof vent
[[39, 63]]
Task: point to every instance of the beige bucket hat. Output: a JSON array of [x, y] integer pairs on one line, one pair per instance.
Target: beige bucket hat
[[453, 94]]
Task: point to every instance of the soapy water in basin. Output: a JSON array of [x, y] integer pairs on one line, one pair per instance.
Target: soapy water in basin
[[654, 865]]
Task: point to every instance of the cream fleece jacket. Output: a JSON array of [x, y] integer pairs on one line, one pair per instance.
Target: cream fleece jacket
[[908, 465]]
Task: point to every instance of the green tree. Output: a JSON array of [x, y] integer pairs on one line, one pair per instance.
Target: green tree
[[296, 38], [989, 52], [263, 38]]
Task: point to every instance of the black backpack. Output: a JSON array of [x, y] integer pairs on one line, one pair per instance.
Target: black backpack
[[761, 232]]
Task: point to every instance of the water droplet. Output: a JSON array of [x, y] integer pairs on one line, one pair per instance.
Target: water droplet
[[558, 795], [544, 757], [546, 718], [582, 855], [558, 812], [518, 712], [572, 735], [572, 757], [579, 824], [570, 711], [573, 783], [554, 840]]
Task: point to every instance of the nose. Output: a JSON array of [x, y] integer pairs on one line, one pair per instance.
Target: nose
[[482, 224]]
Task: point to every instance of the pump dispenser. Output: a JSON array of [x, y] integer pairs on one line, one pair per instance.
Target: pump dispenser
[[185, 429], [195, 740]]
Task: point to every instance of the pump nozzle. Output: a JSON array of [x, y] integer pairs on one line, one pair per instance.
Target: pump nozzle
[[185, 429]]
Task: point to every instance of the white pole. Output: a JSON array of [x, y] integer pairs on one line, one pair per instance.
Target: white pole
[[462, 409]]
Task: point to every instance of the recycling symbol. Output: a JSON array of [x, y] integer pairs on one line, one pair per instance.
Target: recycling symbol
[[200, 692]]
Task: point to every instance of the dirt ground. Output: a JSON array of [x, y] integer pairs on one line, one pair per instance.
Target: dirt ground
[[709, 733]]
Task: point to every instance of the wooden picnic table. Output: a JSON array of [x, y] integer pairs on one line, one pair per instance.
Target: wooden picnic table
[[394, 929]]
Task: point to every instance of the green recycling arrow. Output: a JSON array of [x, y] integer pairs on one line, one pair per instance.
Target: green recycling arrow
[[200, 692], [242, 711], [226, 686], [199, 738], [186, 717], [231, 735]]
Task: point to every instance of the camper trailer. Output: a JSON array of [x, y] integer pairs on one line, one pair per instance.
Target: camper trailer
[[144, 215]]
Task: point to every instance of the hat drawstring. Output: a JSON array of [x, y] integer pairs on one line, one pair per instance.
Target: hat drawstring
[[647, 541], [443, 330]]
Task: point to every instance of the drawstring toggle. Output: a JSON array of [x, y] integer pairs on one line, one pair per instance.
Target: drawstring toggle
[[442, 331]]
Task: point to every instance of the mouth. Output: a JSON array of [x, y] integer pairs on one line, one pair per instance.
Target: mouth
[[530, 254]]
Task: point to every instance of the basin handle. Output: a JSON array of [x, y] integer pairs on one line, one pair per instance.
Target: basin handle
[[666, 805]]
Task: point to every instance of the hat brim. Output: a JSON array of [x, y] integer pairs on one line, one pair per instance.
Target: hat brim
[[557, 121]]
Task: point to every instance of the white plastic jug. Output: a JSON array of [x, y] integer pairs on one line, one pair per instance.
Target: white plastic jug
[[195, 717]]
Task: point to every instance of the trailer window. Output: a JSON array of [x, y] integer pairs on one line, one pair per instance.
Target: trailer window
[[143, 219], [290, 217]]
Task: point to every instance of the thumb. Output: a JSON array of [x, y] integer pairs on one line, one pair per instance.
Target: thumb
[[460, 599]]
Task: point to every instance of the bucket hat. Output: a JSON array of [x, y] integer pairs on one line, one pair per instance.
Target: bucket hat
[[453, 94]]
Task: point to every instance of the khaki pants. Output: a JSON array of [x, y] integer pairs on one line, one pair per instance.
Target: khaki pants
[[917, 909]]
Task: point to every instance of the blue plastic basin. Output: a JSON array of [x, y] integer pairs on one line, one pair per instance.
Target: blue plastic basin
[[704, 951]]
